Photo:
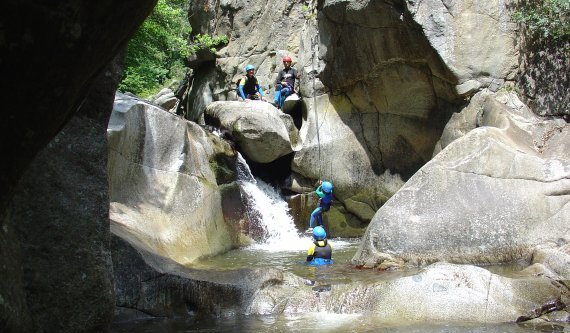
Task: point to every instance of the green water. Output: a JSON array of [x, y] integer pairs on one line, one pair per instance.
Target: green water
[[294, 261], [340, 272]]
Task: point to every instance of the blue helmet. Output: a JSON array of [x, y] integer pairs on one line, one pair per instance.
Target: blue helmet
[[249, 67], [327, 187], [319, 233]]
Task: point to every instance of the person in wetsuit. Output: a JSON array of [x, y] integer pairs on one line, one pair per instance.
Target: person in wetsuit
[[285, 83], [248, 87], [325, 193], [320, 252]]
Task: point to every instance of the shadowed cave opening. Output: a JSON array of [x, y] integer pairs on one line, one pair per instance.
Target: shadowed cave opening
[[273, 173]]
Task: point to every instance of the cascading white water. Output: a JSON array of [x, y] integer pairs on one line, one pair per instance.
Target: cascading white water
[[268, 211]]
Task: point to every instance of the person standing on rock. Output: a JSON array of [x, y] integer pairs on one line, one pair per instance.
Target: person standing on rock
[[320, 252], [248, 87], [325, 194], [285, 83]]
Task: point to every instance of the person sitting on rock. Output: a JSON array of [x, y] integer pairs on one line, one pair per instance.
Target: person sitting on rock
[[248, 87], [285, 83], [325, 194], [320, 252]]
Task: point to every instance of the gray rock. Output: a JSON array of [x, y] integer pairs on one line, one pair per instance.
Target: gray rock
[[490, 196], [163, 190], [475, 39], [53, 58], [61, 214], [165, 99], [468, 88], [440, 293], [263, 133], [555, 259], [157, 286]]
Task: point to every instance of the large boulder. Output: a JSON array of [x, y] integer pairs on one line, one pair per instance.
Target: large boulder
[[552, 261], [440, 293], [61, 215], [262, 132], [148, 285], [163, 190], [490, 196], [386, 101]]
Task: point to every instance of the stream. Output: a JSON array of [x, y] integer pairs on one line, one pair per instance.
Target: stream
[[282, 246]]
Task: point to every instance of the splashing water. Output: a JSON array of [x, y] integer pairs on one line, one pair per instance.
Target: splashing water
[[269, 212]]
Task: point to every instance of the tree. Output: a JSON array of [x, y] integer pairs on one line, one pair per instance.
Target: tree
[[549, 19], [157, 51]]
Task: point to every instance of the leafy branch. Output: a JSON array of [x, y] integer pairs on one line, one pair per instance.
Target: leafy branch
[[545, 18], [207, 42]]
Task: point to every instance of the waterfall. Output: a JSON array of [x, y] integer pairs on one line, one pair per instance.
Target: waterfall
[[268, 213]]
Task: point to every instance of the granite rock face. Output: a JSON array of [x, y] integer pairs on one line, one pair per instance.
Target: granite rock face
[[375, 94], [257, 127], [51, 58], [439, 293], [489, 196], [61, 215], [162, 185]]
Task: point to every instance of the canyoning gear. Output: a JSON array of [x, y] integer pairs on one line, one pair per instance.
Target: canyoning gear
[[249, 88], [280, 95], [315, 60], [284, 85], [324, 203], [320, 253], [319, 233], [325, 192], [317, 216], [287, 59], [327, 187], [249, 67]]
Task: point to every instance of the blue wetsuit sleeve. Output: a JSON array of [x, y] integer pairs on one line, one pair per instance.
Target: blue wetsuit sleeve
[[241, 93], [319, 192], [260, 90]]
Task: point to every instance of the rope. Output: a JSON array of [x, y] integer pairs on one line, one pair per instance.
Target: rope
[[314, 44]]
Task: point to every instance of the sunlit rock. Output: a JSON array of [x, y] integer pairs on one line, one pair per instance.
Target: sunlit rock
[[554, 259], [475, 39], [440, 293], [165, 99], [257, 128], [150, 285], [163, 190], [490, 196]]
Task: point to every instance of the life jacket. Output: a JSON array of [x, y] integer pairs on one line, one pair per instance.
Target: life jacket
[[249, 87], [289, 76], [322, 250]]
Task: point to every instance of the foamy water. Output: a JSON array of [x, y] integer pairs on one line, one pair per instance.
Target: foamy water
[[271, 212], [268, 210]]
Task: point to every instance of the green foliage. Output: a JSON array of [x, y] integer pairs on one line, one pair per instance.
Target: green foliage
[[545, 18], [205, 41], [157, 51]]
